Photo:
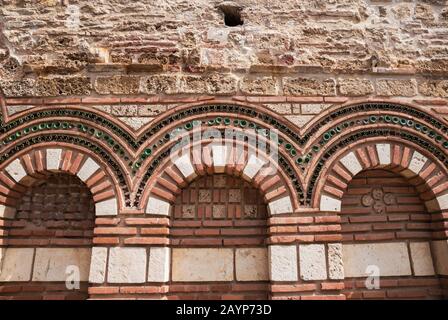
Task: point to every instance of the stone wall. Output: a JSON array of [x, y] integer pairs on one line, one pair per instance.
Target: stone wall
[[352, 94]]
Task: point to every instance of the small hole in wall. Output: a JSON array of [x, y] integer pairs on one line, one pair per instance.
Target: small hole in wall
[[232, 16]]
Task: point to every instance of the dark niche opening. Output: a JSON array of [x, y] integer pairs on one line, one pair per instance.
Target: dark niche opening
[[232, 15]]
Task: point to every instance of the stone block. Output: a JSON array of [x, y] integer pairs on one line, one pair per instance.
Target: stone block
[[88, 168], [351, 162], [7, 212], [98, 263], [16, 264], [434, 88], [355, 87], [279, 206], [251, 264], [335, 261], [201, 264], [383, 150], [309, 86], [213, 83], [185, 166], [53, 264], [159, 264], [259, 86], [283, 263], [157, 84], [106, 208], [63, 86], [16, 170], [157, 206], [392, 259], [54, 157], [422, 259], [442, 201], [417, 162], [219, 158], [313, 264], [329, 204], [127, 265], [440, 254], [252, 167], [403, 88], [117, 84]]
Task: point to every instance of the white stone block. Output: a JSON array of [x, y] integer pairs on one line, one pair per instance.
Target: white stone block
[[202, 264], [7, 212], [251, 264], [127, 265], [443, 201], [252, 167], [417, 162], [185, 167], [383, 150], [58, 264], [279, 206], [17, 264], [351, 162], [54, 157], [219, 158], [440, 252], [157, 206], [313, 265], [422, 259], [392, 259], [106, 208], [159, 264], [98, 265], [16, 170], [283, 263], [88, 168], [330, 204], [335, 261]]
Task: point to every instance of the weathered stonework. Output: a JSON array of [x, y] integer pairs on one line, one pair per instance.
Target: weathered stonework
[[95, 97], [355, 87], [202, 265], [391, 259]]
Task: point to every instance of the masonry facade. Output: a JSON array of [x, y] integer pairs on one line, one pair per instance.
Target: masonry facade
[[128, 167]]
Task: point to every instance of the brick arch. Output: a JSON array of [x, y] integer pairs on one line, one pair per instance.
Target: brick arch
[[255, 168], [34, 164], [411, 162]]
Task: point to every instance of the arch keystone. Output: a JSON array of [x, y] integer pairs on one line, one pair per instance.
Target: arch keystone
[[383, 150], [54, 157], [219, 158]]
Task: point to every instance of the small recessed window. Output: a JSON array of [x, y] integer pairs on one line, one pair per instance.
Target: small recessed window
[[232, 15]]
